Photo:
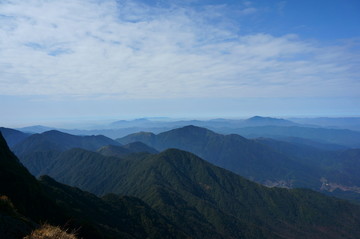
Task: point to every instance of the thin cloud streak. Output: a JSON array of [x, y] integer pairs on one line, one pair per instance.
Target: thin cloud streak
[[131, 50]]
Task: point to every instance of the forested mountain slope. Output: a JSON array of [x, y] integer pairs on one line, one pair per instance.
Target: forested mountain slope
[[26, 202], [208, 201]]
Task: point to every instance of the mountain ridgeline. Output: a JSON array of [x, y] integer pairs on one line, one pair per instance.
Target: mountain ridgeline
[[207, 201], [13, 136], [121, 151], [341, 137], [268, 161], [142, 193], [246, 157], [59, 141], [39, 150], [26, 202]]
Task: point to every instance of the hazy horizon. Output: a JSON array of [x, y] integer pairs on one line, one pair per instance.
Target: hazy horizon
[[105, 123], [91, 60]]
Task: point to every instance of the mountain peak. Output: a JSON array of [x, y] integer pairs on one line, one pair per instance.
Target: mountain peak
[[13, 136], [54, 132], [3, 145], [258, 118], [35, 129], [139, 147], [174, 151], [262, 121], [192, 128]]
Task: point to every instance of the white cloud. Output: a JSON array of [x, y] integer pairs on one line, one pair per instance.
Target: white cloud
[[131, 50]]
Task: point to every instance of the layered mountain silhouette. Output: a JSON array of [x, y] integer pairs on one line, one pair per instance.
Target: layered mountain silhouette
[[268, 161], [233, 152], [338, 169], [343, 137], [13, 136], [39, 150], [59, 141], [26, 202], [36, 129], [121, 151], [206, 201], [187, 197], [352, 123], [253, 121], [266, 121]]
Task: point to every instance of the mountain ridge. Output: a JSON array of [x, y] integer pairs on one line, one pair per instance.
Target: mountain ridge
[[198, 196], [49, 201], [13, 136], [39, 150], [232, 152], [268, 161]]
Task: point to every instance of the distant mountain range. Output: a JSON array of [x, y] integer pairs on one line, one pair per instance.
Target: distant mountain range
[[253, 121], [352, 123], [174, 194], [233, 152], [256, 126], [338, 168], [266, 121], [270, 162], [289, 162], [38, 150], [341, 137], [121, 151], [56, 140]]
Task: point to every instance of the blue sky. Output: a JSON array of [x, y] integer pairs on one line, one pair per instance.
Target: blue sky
[[86, 59]]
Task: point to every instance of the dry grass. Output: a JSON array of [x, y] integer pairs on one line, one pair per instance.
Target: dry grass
[[5, 200], [47, 231], [6, 205]]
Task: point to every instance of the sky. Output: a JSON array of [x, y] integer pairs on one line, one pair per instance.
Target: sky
[[74, 60]]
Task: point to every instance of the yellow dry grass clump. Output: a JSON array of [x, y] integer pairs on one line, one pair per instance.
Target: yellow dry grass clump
[[47, 231], [4, 200], [6, 206]]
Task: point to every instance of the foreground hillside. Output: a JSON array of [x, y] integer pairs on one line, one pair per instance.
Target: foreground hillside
[[26, 202], [206, 201]]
